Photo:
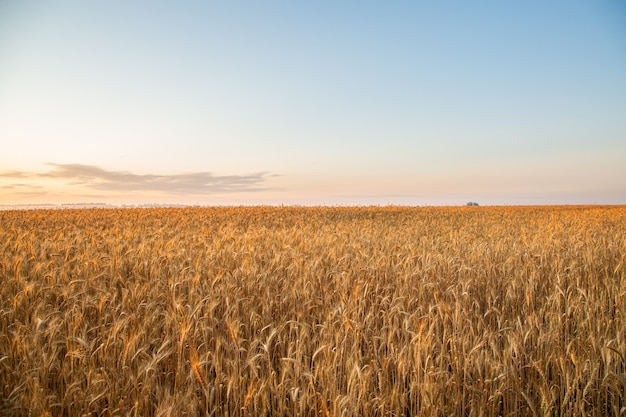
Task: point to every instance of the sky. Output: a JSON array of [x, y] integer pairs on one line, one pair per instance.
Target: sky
[[313, 103]]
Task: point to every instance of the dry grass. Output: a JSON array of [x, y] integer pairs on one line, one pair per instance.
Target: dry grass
[[313, 311]]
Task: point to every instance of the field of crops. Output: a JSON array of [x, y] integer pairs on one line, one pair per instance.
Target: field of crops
[[285, 311]]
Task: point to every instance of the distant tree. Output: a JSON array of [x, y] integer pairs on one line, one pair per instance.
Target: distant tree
[[472, 203]]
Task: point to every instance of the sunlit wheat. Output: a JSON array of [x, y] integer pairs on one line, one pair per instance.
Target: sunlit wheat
[[259, 311]]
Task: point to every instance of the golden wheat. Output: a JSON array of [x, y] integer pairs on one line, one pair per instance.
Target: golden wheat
[[257, 311]]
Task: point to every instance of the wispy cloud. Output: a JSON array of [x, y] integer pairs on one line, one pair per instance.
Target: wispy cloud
[[96, 178], [20, 185], [17, 174]]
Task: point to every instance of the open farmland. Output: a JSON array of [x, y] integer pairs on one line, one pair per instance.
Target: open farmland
[[257, 311]]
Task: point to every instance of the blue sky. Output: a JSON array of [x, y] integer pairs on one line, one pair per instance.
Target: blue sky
[[280, 102]]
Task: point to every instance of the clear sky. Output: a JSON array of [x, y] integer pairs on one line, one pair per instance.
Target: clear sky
[[318, 102]]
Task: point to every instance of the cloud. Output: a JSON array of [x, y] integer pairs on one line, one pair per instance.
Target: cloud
[[17, 174], [100, 179], [20, 185]]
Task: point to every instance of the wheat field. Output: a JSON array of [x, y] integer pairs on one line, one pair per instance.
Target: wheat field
[[313, 311]]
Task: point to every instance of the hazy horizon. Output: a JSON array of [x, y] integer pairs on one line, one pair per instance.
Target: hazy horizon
[[356, 103]]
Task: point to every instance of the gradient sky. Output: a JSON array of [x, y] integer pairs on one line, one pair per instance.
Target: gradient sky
[[320, 102]]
